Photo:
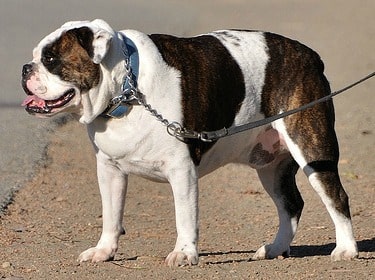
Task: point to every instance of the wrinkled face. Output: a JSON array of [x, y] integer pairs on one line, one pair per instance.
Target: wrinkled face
[[65, 66]]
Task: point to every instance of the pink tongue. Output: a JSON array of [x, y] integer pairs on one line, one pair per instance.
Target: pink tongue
[[33, 100]]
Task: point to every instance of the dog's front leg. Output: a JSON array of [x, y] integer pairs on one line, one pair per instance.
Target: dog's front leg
[[113, 185], [185, 192]]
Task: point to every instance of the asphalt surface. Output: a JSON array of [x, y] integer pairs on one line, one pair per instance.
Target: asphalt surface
[[342, 34]]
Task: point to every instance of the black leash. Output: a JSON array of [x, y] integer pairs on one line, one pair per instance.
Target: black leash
[[209, 136]]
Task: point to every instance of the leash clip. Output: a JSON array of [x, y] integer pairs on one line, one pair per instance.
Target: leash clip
[[211, 136]]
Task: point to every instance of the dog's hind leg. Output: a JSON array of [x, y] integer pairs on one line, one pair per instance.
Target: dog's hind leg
[[278, 179], [311, 139]]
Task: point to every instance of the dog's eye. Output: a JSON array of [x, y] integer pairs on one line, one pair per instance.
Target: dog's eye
[[48, 59]]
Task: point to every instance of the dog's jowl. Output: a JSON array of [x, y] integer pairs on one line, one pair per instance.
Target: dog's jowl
[[204, 83]]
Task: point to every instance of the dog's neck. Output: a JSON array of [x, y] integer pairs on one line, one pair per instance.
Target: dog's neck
[[120, 104]]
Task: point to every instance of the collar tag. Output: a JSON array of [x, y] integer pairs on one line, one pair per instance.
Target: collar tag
[[117, 111]]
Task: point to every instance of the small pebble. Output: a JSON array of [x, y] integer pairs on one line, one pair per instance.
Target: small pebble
[[6, 265], [59, 199], [19, 229]]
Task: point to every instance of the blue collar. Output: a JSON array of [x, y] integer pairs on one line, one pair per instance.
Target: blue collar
[[120, 105]]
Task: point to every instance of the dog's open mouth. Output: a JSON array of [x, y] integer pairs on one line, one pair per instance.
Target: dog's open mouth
[[34, 104]]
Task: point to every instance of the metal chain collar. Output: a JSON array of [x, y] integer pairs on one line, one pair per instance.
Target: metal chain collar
[[128, 89]]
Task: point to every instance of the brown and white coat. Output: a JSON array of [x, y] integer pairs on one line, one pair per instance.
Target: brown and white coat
[[221, 79]]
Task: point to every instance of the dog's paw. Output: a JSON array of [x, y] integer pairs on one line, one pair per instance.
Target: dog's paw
[[96, 255], [340, 254], [179, 258], [270, 252]]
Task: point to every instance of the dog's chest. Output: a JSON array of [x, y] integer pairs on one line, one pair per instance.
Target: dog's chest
[[141, 149]]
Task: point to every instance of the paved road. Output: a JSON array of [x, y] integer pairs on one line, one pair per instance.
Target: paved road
[[342, 33]]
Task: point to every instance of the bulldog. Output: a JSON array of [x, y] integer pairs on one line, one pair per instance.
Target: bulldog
[[213, 81]]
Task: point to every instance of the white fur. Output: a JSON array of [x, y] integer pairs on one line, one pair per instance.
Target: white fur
[[252, 57], [296, 152], [346, 247]]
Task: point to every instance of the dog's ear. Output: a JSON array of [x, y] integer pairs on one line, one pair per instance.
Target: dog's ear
[[101, 43], [96, 43]]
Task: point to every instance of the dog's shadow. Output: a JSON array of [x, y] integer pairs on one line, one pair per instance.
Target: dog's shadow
[[231, 256], [238, 256], [367, 245], [301, 251]]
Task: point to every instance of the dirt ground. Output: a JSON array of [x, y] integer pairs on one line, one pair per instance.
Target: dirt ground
[[58, 214]]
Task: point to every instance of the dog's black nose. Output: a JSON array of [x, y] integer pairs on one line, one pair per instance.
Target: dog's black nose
[[27, 69]]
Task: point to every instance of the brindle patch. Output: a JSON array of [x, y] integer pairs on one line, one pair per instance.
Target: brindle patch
[[294, 77], [260, 157], [69, 57], [226, 36]]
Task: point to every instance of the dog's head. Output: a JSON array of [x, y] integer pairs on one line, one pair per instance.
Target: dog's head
[[66, 72]]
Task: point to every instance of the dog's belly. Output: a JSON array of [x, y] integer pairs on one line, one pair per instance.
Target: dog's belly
[[151, 170], [256, 148], [226, 150]]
